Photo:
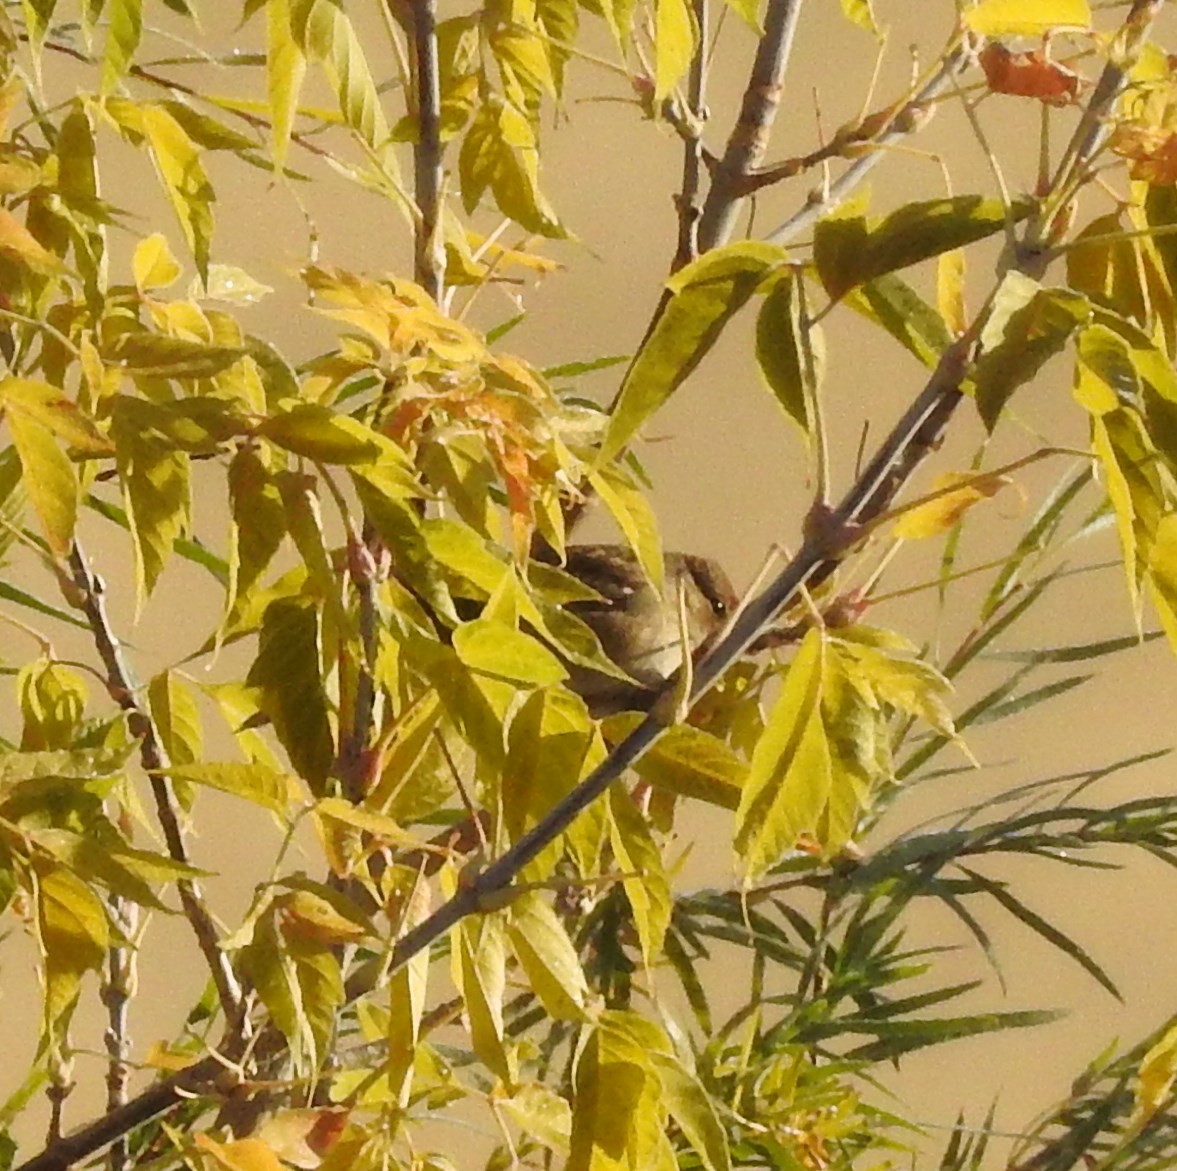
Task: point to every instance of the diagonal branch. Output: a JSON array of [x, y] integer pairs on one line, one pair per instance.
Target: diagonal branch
[[908, 118], [912, 438]]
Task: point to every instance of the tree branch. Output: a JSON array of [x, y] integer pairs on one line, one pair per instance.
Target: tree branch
[[908, 119], [689, 209], [429, 252], [749, 137], [824, 545], [120, 684]]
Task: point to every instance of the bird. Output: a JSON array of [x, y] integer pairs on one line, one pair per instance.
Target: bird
[[640, 628]]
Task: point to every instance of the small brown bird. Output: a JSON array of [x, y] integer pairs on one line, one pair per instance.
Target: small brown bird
[[639, 628]]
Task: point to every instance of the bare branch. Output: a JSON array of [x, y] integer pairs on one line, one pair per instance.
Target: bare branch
[[429, 252], [690, 210], [911, 117], [120, 684], [117, 990], [827, 539], [749, 137]]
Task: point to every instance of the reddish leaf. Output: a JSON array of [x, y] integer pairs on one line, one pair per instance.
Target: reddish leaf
[[1029, 75]]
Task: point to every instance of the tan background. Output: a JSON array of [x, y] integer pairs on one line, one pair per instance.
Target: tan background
[[731, 482]]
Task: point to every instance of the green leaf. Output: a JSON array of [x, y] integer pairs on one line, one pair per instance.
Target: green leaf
[[900, 1037], [48, 477], [288, 673], [494, 648], [703, 298], [21, 597], [789, 781], [692, 1108], [1028, 326], [154, 355], [548, 957], [155, 486], [904, 314], [1044, 928], [304, 523], [259, 524], [849, 251], [124, 29], [252, 782], [644, 879], [323, 435], [790, 350], [73, 936]]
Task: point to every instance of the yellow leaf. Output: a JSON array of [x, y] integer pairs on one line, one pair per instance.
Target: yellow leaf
[[494, 648], [49, 479], [1157, 1071], [1027, 18], [247, 1154], [479, 964], [285, 69], [674, 46], [548, 957], [153, 264], [789, 781], [308, 916], [19, 244], [645, 882], [940, 513], [52, 409], [162, 1057], [634, 516], [73, 934], [950, 274]]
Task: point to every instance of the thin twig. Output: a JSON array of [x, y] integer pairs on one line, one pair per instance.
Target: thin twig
[[749, 137], [690, 210], [167, 83], [116, 996], [913, 116], [429, 253], [355, 755], [916, 434], [120, 684]]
